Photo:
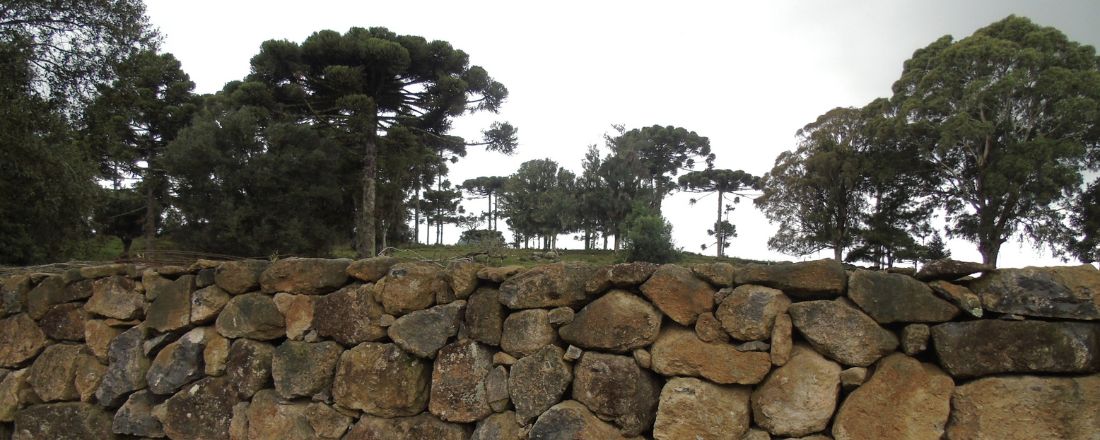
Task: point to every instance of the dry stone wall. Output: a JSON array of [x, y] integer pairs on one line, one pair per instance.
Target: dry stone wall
[[386, 349]]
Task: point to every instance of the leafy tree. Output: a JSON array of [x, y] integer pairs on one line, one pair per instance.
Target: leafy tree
[[1085, 219], [120, 213], [73, 45], [649, 237], [132, 121], [663, 152], [592, 198], [481, 237], [488, 187], [368, 81], [1007, 114], [624, 182], [936, 249], [720, 182], [816, 192], [442, 205], [539, 200]]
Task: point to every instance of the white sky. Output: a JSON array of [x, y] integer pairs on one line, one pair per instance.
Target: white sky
[[747, 75]]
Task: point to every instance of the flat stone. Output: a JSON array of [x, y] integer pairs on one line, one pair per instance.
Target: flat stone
[[527, 331], [269, 418], [173, 271], [207, 303], [622, 275], [305, 276], [484, 316], [172, 309], [502, 358], [420, 427], [679, 294], [1069, 292], [68, 420], [135, 417], [551, 285], [53, 374], [178, 363], [798, 398], [369, 270], [782, 342], [914, 338], [105, 270], [618, 321], [696, 409], [807, 280], [115, 297], [614, 388], [304, 369], [717, 274], [709, 329], [538, 381], [749, 312], [753, 346], [905, 399], [841, 332], [458, 390], [500, 426], [297, 311], [463, 276], [409, 287], [126, 368], [201, 411], [888, 297], [248, 366], [382, 380], [349, 316], [960, 296], [572, 420], [424, 332], [949, 270], [237, 277], [20, 340], [253, 316], [499, 274], [984, 347], [643, 358], [678, 352], [64, 322], [1025, 408]]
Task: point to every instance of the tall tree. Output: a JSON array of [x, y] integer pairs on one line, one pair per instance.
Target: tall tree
[[539, 200], [441, 206], [625, 181], [816, 192], [488, 187], [664, 152], [1008, 113], [1084, 244], [367, 81], [592, 198], [134, 118], [720, 182]]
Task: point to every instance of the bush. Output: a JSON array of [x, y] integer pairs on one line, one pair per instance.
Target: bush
[[649, 238], [481, 237]]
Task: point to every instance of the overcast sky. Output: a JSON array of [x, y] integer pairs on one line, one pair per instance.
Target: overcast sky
[[747, 75]]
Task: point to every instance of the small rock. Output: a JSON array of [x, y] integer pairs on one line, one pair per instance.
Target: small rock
[[349, 316], [202, 410], [496, 389], [499, 274], [419, 427], [215, 354], [561, 316], [798, 398], [304, 369], [616, 389], [64, 322], [207, 303], [527, 331], [571, 420], [985, 347], [572, 353], [153, 283], [68, 420], [643, 358], [458, 390], [903, 399], [1026, 407], [409, 287], [502, 358], [622, 275], [914, 338], [114, 297], [717, 274], [268, 418], [749, 312], [888, 297], [753, 346], [807, 280], [551, 285], [853, 377], [618, 322], [305, 276], [13, 294], [678, 352], [172, 309], [949, 270], [679, 294], [369, 270], [135, 417], [248, 367], [693, 408], [173, 271], [237, 277], [381, 380], [106, 270], [204, 278], [252, 315], [1011, 317], [538, 381], [960, 296], [709, 329], [386, 321], [424, 332], [842, 333], [781, 340], [485, 316]]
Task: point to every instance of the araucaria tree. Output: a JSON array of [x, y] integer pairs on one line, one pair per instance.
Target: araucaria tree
[[1008, 114], [366, 82], [721, 183], [539, 200], [663, 153], [488, 187]]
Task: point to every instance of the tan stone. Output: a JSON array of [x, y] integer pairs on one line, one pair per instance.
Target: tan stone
[[15, 393], [853, 377], [171, 310], [500, 426], [841, 332], [696, 409], [499, 274], [215, 354], [1025, 408], [679, 294], [237, 277], [20, 340], [717, 274], [527, 331], [304, 369], [409, 287], [571, 420], [268, 418], [622, 275], [709, 329], [914, 338], [67, 420], [806, 280], [960, 296], [904, 399], [207, 303], [53, 374], [200, 411], [297, 312], [749, 312], [889, 297], [369, 270], [305, 276], [463, 276], [537, 382], [381, 380], [550, 285], [252, 315], [618, 321], [782, 342], [115, 297], [798, 398], [458, 390], [484, 316], [615, 389], [349, 316], [678, 352]]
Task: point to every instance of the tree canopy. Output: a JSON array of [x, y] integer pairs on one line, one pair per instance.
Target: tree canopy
[[662, 152], [720, 182]]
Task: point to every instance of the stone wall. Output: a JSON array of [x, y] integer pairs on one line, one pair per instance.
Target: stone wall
[[383, 349]]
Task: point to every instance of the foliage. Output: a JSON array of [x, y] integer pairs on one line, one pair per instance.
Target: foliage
[[488, 187], [662, 153], [120, 213], [649, 237], [936, 249], [720, 182], [442, 205], [539, 200], [1085, 219], [1005, 116], [481, 238]]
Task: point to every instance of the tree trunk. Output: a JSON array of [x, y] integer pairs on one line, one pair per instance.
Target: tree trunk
[[718, 227], [365, 223], [489, 213], [416, 216], [149, 228], [989, 251], [837, 252], [126, 242]]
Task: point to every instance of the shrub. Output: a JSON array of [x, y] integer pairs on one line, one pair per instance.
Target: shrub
[[649, 238]]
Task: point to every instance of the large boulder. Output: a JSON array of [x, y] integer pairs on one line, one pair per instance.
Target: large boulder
[[538, 381], [798, 398], [618, 321], [572, 420], [807, 280], [1071, 292], [1025, 408], [889, 297], [420, 427], [305, 276], [171, 310], [270, 418], [679, 293], [369, 270], [382, 380], [248, 366], [551, 285], [20, 340], [696, 409], [841, 332], [409, 287], [459, 376], [304, 369], [349, 316], [424, 332], [949, 270], [201, 411], [53, 290], [69, 421], [178, 363], [485, 316], [527, 331], [616, 389], [984, 347], [253, 316], [126, 368], [679, 352], [237, 277], [905, 399], [749, 312], [115, 297], [622, 275], [53, 376]]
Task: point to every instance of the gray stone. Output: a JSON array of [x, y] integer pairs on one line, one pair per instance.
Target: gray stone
[[64, 322], [984, 347], [201, 411], [551, 285], [126, 368], [888, 297], [500, 426], [749, 312], [806, 280], [485, 316], [618, 321], [853, 377], [948, 270], [419, 427], [305, 276], [1071, 292], [424, 332], [304, 369], [527, 331], [538, 381], [496, 388], [253, 316], [616, 389], [572, 420], [178, 364], [135, 417], [63, 421], [237, 277], [172, 309], [841, 332], [561, 315], [248, 366], [349, 316], [960, 296]]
